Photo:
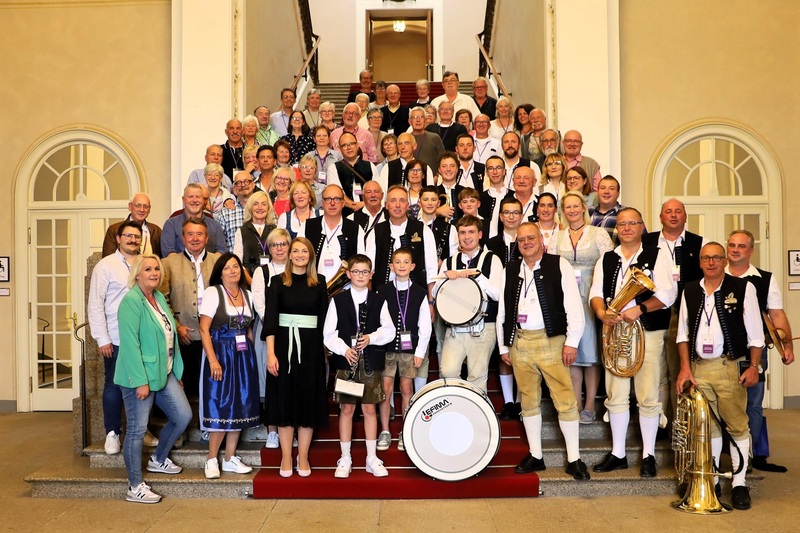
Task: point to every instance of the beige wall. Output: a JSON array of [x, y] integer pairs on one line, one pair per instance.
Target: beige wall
[[270, 27], [101, 63], [682, 61], [519, 53]]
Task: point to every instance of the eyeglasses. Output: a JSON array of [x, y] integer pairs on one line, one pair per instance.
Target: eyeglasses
[[347, 145], [333, 199], [279, 245], [141, 206], [351, 113], [574, 178], [481, 122], [558, 163], [282, 179], [242, 183], [326, 110], [415, 171], [511, 213], [572, 141], [360, 272], [132, 236], [375, 117], [495, 169], [631, 223], [549, 141], [521, 240], [297, 118], [709, 258], [308, 167]]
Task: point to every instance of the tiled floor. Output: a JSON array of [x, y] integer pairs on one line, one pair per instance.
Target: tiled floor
[[30, 441]]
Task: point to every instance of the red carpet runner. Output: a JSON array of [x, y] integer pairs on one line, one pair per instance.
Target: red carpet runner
[[404, 480]]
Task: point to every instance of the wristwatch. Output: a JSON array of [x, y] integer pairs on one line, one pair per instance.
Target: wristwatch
[[643, 308], [759, 368]]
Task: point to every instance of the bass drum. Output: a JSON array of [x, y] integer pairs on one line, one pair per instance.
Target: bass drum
[[450, 430], [461, 302]]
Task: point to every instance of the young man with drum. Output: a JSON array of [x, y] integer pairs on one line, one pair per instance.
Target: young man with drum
[[357, 327], [409, 309], [539, 326], [473, 340]]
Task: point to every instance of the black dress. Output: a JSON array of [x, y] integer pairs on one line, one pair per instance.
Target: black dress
[[297, 395]]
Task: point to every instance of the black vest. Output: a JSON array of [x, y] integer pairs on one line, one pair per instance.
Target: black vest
[[497, 245], [362, 219], [547, 279], [487, 209], [347, 322], [690, 258], [731, 316], [348, 237], [441, 233], [482, 262], [395, 176], [415, 296], [384, 246], [253, 246], [347, 178], [762, 291], [612, 263], [478, 171]]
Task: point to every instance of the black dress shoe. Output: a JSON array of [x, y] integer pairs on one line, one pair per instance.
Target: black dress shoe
[[610, 463], [648, 468], [530, 464], [760, 463], [577, 469], [740, 498], [508, 412], [517, 410], [718, 490]]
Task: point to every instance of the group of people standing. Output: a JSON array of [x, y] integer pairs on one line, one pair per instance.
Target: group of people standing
[[253, 329]]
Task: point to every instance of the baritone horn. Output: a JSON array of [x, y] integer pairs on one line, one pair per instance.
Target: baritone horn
[[694, 463], [776, 335], [623, 343], [338, 282]]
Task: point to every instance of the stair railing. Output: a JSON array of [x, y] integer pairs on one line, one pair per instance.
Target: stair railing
[[492, 74]]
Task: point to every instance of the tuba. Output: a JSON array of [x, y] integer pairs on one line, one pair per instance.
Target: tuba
[[623, 343], [694, 463], [338, 282]]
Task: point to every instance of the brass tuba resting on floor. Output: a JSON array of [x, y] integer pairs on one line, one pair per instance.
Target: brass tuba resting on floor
[[338, 282], [623, 343], [694, 463]]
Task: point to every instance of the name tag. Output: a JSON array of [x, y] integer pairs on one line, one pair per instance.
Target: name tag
[[578, 277], [522, 319], [708, 349], [391, 131], [357, 191], [676, 273], [241, 343], [322, 177], [405, 340], [263, 260], [328, 263]]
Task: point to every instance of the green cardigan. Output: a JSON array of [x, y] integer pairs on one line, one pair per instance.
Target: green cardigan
[[142, 358]]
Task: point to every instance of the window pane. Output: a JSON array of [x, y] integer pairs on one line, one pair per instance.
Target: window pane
[[751, 179], [44, 288], [44, 261], [676, 174], [117, 181], [62, 231], [690, 155], [43, 186], [95, 187], [727, 181], [44, 233]]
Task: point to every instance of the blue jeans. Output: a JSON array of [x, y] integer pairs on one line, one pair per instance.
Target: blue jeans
[[755, 397], [172, 400], [112, 395]]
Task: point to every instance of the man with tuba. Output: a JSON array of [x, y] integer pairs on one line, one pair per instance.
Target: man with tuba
[[741, 245], [613, 273], [719, 327]]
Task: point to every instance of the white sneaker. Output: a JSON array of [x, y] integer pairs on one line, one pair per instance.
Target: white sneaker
[[294, 442], [236, 465], [167, 467], [400, 445], [112, 445], [343, 467], [384, 441], [375, 467], [212, 469], [272, 440], [142, 494]]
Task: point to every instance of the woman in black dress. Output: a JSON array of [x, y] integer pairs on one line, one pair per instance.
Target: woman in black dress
[[297, 303]]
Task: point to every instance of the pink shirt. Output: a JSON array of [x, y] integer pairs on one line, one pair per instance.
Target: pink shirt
[[365, 141]]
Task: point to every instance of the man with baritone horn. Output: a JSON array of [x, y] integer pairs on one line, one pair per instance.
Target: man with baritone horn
[[611, 274]]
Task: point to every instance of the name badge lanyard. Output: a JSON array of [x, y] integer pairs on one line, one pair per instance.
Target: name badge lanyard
[[235, 158], [333, 234], [575, 246], [322, 160], [239, 314], [403, 309], [708, 347]]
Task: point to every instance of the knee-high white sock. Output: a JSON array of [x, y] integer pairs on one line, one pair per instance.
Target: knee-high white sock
[[533, 430], [648, 425], [391, 399], [570, 429], [507, 386], [744, 446], [619, 430], [372, 446], [345, 446], [419, 383], [716, 451]]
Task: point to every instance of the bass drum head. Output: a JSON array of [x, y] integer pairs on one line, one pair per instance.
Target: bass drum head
[[459, 301], [450, 430]]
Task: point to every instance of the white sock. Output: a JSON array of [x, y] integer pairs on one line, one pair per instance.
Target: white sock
[[619, 430], [744, 446], [716, 451], [648, 425], [570, 430], [345, 446], [533, 430], [518, 399], [507, 386], [371, 447], [419, 383], [391, 399]]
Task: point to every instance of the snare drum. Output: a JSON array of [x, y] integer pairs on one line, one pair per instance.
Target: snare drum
[[461, 302], [450, 430]]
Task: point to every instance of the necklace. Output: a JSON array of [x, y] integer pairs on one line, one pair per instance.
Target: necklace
[[578, 228]]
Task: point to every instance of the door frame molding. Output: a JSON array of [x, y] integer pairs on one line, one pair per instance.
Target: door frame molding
[[23, 181], [774, 200]]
